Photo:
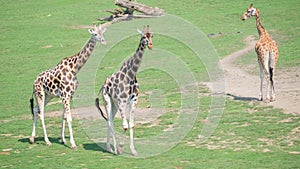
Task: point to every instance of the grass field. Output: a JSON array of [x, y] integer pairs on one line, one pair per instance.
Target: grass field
[[36, 35]]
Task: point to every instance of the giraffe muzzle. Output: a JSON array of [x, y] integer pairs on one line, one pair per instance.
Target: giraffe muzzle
[[103, 42]]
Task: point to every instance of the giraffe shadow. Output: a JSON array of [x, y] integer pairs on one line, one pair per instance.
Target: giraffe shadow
[[40, 140], [242, 98], [96, 147]]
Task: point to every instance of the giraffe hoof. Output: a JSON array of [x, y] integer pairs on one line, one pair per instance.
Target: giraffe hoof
[[125, 126], [73, 147], [48, 143], [134, 153], [31, 139], [63, 141], [272, 99], [120, 150]]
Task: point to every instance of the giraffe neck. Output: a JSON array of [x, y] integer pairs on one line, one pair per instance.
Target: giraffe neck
[[261, 30], [77, 61], [131, 66]]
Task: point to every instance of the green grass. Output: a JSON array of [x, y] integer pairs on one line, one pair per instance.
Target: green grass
[[248, 136]]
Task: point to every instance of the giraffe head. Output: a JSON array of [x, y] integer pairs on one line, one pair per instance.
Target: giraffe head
[[97, 33], [146, 36], [249, 12]]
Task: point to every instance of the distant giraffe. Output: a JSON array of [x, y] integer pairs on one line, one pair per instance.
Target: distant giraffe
[[122, 88], [61, 81], [267, 53]]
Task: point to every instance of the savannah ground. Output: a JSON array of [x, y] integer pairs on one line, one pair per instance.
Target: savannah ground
[[36, 35]]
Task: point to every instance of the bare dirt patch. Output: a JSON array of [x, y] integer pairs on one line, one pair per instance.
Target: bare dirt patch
[[142, 115]]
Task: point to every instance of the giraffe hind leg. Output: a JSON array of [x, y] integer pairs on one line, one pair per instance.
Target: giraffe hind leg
[[273, 97], [132, 107], [262, 75], [122, 109], [272, 71], [109, 107], [41, 102], [63, 139], [112, 114], [34, 112], [41, 105], [68, 118]]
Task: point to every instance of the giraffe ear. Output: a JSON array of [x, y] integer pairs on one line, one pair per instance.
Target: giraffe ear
[[251, 5], [103, 30], [140, 32], [91, 31]]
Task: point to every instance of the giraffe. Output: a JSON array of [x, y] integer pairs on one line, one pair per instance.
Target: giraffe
[[121, 89], [267, 53], [61, 81]]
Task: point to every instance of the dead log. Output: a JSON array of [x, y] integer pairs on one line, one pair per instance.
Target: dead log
[[124, 18], [140, 7], [119, 14]]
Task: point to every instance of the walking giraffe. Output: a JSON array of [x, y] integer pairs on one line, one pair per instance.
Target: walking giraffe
[[120, 89], [61, 81], [267, 53]]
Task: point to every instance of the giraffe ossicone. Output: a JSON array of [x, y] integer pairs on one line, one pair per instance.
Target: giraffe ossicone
[[61, 81], [121, 89], [267, 54]]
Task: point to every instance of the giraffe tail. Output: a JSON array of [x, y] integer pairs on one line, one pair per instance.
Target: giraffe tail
[[271, 70], [99, 109], [31, 105]]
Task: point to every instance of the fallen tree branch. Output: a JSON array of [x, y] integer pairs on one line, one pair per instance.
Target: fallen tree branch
[[125, 17], [140, 7], [119, 15]]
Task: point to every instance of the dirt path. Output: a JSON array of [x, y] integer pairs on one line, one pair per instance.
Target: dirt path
[[244, 86], [143, 115]]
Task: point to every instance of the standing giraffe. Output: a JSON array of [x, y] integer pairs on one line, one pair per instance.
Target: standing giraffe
[[120, 89], [267, 53], [61, 81]]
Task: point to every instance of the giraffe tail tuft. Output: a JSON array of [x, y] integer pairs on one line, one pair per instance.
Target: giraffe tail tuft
[[99, 109], [271, 70], [31, 106]]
